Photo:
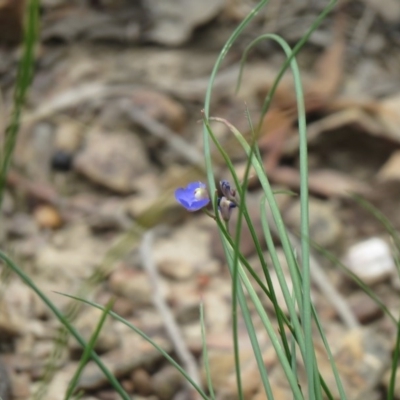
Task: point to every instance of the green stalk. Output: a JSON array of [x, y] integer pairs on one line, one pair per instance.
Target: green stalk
[[207, 101], [205, 352], [244, 211], [145, 337], [23, 82], [88, 350], [292, 380], [25, 278], [395, 361]]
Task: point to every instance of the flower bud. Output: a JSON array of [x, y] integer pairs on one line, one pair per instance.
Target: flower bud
[[225, 208], [228, 192]]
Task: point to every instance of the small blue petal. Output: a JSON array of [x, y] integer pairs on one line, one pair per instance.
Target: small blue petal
[[193, 197], [195, 185]]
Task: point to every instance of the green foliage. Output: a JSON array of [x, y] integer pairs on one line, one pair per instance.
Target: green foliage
[[88, 350], [301, 327], [65, 323], [23, 82]]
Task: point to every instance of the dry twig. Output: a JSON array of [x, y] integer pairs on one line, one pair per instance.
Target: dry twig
[[171, 326], [320, 278], [181, 147]]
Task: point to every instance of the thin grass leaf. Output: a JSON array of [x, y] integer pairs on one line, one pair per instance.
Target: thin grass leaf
[[305, 307], [336, 262], [305, 250], [286, 366], [278, 219], [262, 314], [332, 362], [243, 210], [254, 150], [247, 317], [61, 317], [207, 101], [318, 377], [395, 365], [258, 167], [287, 63], [310, 365], [254, 275], [205, 352], [145, 337], [368, 206], [23, 82], [234, 306], [252, 335], [289, 300], [88, 350]]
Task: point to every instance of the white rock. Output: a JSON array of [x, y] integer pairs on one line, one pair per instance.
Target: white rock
[[371, 260]]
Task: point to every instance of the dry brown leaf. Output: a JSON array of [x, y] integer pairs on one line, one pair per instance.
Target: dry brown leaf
[[319, 94], [324, 182], [329, 67], [329, 70], [391, 169], [387, 113], [160, 107], [276, 128], [11, 20], [355, 116], [389, 10]]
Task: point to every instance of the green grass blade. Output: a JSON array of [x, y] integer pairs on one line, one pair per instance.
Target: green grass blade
[[258, 167], [88, 350], [305, 249], [382, 219], [332, 362], [244, 211], [289, 300], [27, 280], [236, 33], [229, 250], [286, 366], [145, 337], [205, 353], [336, 262], [395, 365], [24, 79], [263, 316], [287, 63], [251, 332], [305, 304]]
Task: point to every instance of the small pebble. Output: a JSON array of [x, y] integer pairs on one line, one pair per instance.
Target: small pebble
[[176, 269], [61, 161], [364, 308], [47, 216], [371, 260], [325, 226], [166, 382], [141, 381]]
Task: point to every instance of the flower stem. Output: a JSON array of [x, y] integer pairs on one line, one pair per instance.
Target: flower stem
[[210, 214]]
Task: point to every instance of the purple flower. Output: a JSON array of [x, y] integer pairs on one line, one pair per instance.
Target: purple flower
[[193, 197]]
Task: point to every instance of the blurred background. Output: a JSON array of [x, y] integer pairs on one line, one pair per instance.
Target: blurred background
[[110, 130]]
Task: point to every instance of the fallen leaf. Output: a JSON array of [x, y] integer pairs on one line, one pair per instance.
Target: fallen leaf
[[323, 182], [391, 169]]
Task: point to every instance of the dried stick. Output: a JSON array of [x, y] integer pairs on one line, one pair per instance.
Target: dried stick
[[172, 328], [180, 146], [320, 278]]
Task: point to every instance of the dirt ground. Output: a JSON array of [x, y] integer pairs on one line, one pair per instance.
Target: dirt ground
[[110, 130]]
